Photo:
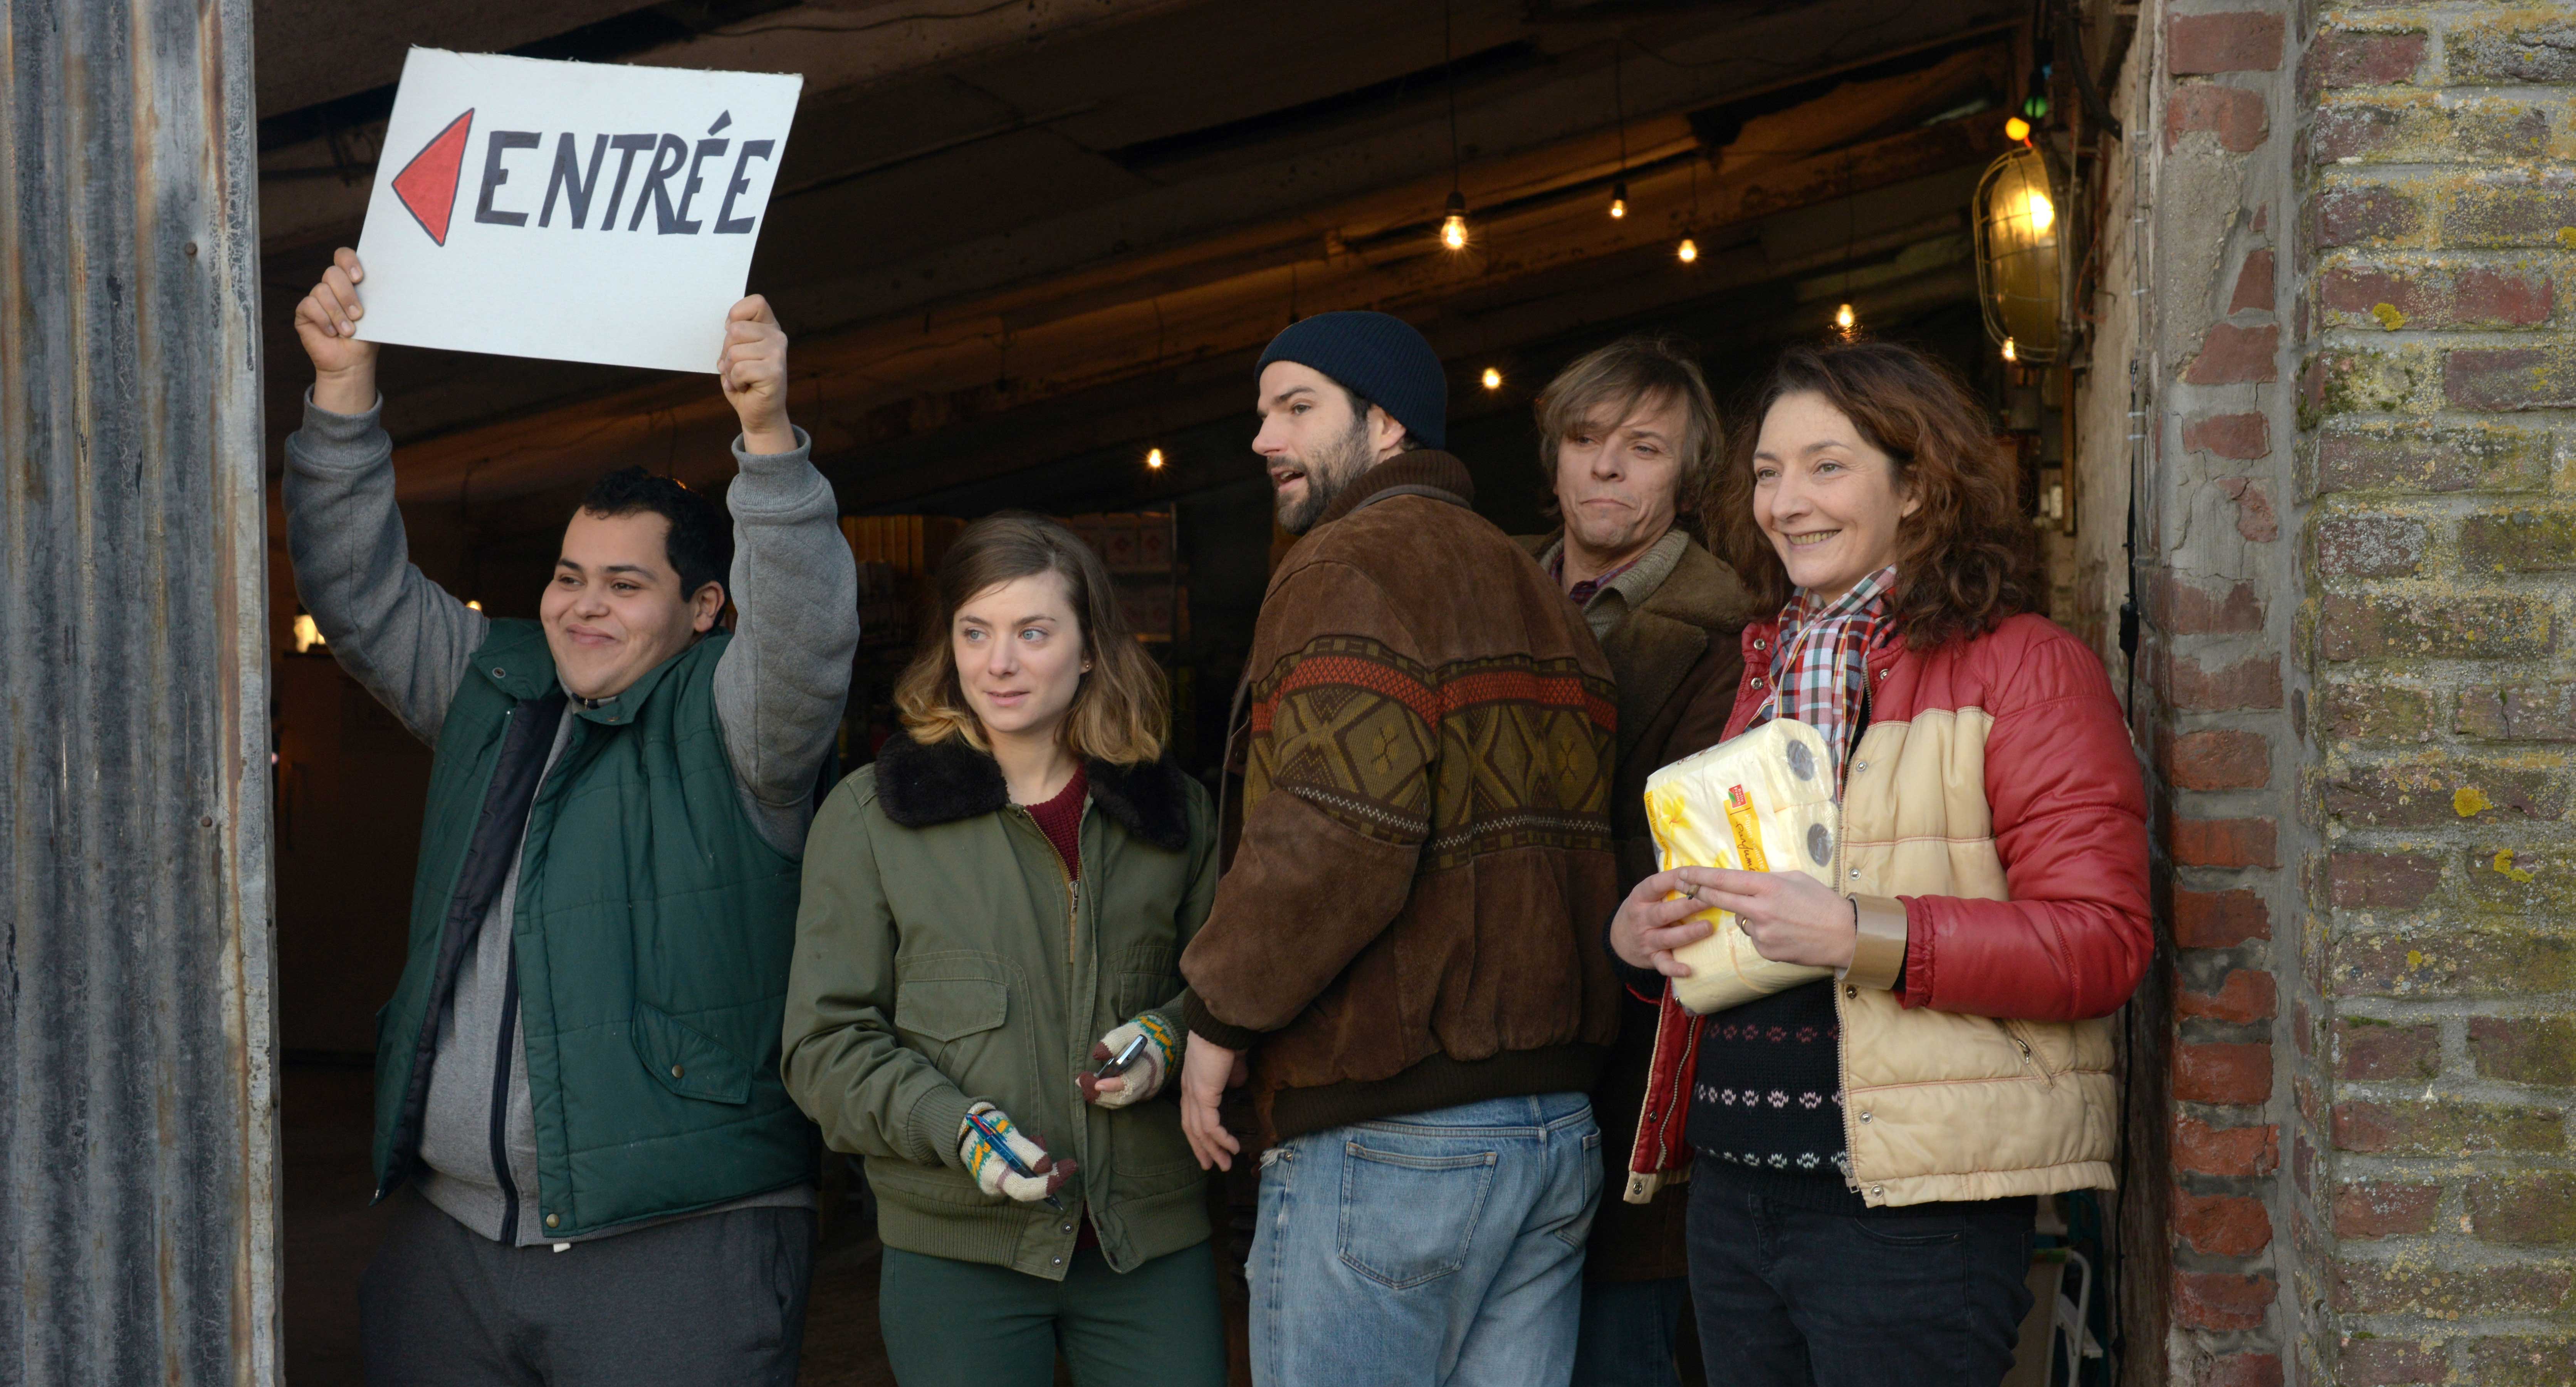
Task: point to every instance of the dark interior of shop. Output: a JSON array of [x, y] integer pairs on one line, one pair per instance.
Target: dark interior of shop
[[1034, 272]]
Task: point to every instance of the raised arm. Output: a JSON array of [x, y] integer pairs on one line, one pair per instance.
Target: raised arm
[[781, 684], [404, 639]]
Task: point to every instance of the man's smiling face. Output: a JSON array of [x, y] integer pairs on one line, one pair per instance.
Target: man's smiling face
[[614, 609]]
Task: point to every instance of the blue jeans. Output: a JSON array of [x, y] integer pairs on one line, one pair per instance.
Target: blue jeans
[[1438, 1247], [1632, 1332], [1931, 1296]]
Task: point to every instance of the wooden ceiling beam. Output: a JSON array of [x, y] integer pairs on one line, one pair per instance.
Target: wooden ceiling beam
[[877, 385]]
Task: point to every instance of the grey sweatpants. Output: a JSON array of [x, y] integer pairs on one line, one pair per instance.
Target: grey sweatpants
[[718, 1299]]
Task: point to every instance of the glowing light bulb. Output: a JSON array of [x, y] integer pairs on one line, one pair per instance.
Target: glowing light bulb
[[1618, 199], [1687, 251], [2009, 353], [473, 605], [1154, 459], [1453, 228], [2043, 214], [308, 635], [2017, 130], [1493, 379], [1844, 317]]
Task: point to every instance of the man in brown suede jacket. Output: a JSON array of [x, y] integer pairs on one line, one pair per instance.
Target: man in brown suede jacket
[[1406, 945], [1627, 435]]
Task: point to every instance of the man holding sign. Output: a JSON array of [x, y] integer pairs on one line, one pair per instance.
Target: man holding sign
[[578, 1073]]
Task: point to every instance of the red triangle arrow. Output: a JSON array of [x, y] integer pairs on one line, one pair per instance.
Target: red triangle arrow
[[427, 185]]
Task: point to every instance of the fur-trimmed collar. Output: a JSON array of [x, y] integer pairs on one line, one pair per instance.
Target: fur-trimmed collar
[[949, 780]]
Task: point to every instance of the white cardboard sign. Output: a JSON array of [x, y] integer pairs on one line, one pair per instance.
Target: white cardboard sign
[[578, 211]]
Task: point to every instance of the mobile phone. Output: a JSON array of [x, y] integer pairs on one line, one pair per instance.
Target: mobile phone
[[1117, 1064]]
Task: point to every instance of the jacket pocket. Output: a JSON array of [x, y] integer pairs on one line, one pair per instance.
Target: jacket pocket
[[948, 997], [686, 1060], [1148, 976], [952, 1007], [2046, 1048]]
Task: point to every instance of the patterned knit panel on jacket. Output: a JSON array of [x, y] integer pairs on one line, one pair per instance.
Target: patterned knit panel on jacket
[[1517, 750]]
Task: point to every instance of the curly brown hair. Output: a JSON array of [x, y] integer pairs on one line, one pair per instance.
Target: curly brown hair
[[1966, 558]]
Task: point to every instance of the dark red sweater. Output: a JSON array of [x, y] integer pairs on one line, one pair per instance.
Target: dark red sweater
[[1061, 820]]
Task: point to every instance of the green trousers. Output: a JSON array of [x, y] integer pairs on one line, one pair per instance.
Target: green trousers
[[968, 1324]]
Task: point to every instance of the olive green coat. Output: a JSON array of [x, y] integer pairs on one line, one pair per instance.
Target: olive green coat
[[942, 956]]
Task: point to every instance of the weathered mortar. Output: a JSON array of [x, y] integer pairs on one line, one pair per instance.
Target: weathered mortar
[[2439, 1198]]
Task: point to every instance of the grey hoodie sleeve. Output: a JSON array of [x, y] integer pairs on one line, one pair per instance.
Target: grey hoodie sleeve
[[405, 639], [781, 685]]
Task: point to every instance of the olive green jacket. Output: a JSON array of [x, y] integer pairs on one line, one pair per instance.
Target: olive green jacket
[[943, 956]]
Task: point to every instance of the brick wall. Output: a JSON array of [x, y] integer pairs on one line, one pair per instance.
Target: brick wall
[[2435, 1195], [2213, 120]]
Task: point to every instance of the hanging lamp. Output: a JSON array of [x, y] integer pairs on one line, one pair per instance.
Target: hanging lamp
[[2015, 214]]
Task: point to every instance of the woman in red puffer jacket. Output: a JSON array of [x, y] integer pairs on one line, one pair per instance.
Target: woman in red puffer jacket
[[1865, 1149]]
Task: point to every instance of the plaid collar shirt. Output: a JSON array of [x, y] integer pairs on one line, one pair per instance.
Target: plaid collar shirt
[[1819, 665]]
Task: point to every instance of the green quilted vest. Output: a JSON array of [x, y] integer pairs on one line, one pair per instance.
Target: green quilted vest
[[654, 926]]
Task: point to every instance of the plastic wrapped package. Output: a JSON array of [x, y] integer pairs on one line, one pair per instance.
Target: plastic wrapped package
[[1761, 802]]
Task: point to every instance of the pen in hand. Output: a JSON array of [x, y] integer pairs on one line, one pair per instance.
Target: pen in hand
[[1002, 1147]]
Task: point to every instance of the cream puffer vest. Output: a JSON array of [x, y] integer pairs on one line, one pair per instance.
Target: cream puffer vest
[[1995, 800]]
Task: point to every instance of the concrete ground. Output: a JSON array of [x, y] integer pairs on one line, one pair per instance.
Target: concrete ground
[[328, 1117]]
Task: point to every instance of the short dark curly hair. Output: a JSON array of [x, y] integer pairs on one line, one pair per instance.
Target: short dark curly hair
[[700, 543]]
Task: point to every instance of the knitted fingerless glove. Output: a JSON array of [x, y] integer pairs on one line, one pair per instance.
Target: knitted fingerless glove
[[1145, 1077], [993, 1174]]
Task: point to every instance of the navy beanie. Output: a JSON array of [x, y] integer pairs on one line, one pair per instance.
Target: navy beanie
[[1379, 356]]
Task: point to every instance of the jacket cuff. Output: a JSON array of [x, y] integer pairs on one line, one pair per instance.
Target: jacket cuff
[[1203, 1023], [936, 1120], [341, 430], [1878, 955], [772, 485], [779, 463]]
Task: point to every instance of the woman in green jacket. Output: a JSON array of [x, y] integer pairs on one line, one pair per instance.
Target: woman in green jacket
[[990, 911]]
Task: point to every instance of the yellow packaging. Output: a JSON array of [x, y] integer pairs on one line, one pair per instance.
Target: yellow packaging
[[1773, 791]]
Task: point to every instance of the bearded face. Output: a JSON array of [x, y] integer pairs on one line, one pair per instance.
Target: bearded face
[[1324, 473], [1312, 442]]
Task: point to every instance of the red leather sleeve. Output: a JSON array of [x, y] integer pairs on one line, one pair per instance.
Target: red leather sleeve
[[2070, 822]]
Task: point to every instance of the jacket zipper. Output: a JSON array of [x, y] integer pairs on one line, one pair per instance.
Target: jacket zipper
[[396, 1163], [1072, 886], [1072, 917], [1677, 1103], [1842, 1017], [501, 1101], [508, 1047]]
